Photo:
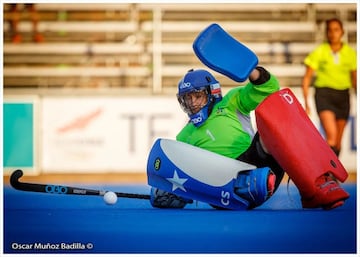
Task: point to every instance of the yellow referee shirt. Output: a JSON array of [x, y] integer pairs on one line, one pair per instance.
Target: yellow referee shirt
[[332, 69]]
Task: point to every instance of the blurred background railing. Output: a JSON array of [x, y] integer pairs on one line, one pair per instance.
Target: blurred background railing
[[150, 45]]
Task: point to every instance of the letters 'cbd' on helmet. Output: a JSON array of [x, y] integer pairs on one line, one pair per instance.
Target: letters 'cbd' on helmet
[[197, 81]]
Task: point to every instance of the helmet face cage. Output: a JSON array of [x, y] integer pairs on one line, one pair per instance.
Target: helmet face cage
[[198, 82], [185, 99]]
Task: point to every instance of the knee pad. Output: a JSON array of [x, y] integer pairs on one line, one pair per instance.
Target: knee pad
[[256, 186]]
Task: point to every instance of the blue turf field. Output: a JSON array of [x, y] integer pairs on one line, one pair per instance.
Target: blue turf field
[[71, 223]]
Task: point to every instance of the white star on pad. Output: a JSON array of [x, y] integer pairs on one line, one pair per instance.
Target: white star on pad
[[177, 182]]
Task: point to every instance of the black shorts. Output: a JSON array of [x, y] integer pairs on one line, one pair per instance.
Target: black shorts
[[337, 101], [256, 155]]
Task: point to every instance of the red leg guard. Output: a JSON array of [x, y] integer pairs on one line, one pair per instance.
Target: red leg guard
[[292, 139]]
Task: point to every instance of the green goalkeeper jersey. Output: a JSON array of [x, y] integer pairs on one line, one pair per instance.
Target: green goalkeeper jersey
[[228, 130]]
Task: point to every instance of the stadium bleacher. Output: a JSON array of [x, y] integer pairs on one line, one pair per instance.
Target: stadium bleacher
[[138, 45]]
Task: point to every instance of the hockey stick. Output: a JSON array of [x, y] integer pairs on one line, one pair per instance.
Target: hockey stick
[[60, 189]]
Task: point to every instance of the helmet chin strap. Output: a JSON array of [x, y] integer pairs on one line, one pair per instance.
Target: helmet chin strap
[[211, 104]]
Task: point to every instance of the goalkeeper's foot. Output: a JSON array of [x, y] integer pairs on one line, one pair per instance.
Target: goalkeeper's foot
[[256, 186], [329, 194]]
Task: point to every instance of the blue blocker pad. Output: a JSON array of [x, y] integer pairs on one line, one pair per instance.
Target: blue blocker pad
[[221, 52], [195, 173]]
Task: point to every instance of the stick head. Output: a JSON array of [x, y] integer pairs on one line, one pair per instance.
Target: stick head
[[14, 178]]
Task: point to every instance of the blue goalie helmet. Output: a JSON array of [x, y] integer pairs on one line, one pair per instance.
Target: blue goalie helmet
[[198, 91]]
